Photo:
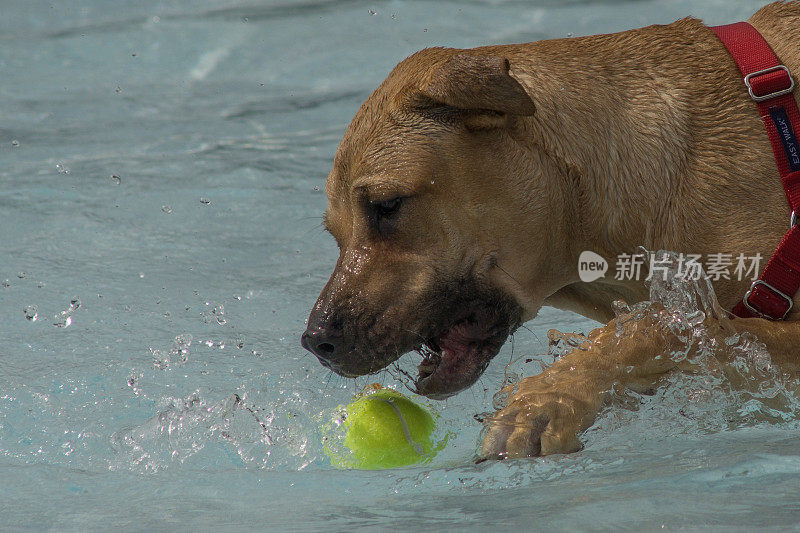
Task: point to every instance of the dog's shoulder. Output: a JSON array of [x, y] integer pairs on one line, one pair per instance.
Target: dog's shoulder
[[779, 23], [774, 12]]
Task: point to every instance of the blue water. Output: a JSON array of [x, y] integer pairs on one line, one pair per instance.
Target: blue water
[[161, 184]]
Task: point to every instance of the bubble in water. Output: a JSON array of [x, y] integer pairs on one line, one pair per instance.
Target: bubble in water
[[204, 200], [116, 179], [31, 313], [167, 209]]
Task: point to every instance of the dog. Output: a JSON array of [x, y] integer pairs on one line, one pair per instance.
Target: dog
[[470, 181]]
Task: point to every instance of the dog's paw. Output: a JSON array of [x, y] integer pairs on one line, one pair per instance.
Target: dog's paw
[[535, 424]]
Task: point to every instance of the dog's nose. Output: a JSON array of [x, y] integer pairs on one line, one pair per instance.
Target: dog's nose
[[322, 344]]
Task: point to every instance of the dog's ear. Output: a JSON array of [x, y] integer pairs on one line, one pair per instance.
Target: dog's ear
[[478, 83]]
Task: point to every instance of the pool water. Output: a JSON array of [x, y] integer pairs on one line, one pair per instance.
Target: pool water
[[161, 191]]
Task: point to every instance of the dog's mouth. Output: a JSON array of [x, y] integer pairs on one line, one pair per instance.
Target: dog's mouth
[[455, 358]]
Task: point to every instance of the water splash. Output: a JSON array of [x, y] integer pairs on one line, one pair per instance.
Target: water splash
[[262, 437], [726, 381]]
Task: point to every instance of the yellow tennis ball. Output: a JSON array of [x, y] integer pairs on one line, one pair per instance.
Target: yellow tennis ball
[[384, 430]]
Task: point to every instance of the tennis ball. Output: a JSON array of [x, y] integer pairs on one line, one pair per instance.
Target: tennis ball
[[383, 430]]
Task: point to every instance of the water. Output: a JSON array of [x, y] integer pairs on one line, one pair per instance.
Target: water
[[161, 192]]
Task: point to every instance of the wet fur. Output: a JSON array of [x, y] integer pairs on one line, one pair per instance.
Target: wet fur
[[640, 138]]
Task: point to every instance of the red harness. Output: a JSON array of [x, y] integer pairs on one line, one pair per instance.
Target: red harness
[[770, 85]]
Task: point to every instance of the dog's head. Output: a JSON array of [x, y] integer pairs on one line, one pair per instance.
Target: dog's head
[[426, 195]]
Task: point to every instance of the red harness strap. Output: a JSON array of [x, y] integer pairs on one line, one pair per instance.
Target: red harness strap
[[770, 85]]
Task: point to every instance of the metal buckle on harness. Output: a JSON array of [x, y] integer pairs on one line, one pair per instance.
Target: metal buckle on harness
[[747, 304], [773, 94]]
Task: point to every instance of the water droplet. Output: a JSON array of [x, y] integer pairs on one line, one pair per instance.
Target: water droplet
[[184, 339], [167, 209], [62, 169], [160, 359], [15, 143], [219, 314], [63, 321], [204, 200], [31, 313], [116, 179]]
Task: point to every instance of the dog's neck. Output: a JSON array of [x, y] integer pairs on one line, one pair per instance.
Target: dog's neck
[[654, 133]]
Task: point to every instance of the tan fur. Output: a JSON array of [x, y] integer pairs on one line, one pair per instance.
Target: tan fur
[[641, 138]]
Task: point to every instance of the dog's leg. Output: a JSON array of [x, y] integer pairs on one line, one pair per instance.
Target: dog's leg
[[545, 414], [782, 340]]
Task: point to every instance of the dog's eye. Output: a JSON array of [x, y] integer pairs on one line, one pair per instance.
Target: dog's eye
[[383, 215], [387, 208]]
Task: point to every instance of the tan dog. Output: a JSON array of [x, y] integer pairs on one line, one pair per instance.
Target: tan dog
[[469, 182]]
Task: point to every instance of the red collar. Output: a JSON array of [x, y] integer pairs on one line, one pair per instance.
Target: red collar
[[770, 85]]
